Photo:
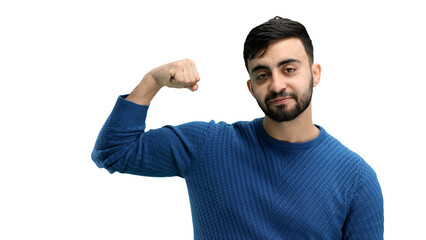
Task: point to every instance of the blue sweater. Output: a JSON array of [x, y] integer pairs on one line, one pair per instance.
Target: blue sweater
[[244, 184]]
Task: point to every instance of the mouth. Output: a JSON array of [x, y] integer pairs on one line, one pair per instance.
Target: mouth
[[279, 100]]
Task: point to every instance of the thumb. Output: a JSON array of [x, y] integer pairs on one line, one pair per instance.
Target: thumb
[[193, 87]]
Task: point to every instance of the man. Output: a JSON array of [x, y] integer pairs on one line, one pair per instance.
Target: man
[[277, 177]]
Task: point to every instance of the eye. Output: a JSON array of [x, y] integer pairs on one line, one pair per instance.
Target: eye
[[290, 70], [261, 77]]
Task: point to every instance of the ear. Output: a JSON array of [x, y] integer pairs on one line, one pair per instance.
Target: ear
[[316, 73], [250, 87]]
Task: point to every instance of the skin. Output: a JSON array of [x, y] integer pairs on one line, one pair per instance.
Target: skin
[[268, 74], [179, 74], [285, 67]]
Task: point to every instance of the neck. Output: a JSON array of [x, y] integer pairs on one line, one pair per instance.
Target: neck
[[298, 130]]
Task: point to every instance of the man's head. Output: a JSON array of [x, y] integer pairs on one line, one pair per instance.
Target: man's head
[[277, 28], [279, 59]]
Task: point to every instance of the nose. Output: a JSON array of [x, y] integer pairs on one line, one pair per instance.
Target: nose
[[277, 83]]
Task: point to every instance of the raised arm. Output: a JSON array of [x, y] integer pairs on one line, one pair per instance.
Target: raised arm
[[124, 146]]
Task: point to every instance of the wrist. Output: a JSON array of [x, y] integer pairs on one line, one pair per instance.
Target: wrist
[[145, 90]]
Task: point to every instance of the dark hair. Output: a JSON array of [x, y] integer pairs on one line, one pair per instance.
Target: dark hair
[[273, 30]]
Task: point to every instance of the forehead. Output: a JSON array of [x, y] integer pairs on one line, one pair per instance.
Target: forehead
[[280, 50]]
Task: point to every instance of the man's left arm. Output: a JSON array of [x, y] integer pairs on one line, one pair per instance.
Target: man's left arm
[[366, 216]]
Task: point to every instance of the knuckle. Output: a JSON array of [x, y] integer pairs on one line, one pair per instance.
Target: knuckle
[[178, 64], [187, 61]]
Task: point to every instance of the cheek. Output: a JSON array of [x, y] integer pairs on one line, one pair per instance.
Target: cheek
[[303, 83], [252, 89], [258, 93]]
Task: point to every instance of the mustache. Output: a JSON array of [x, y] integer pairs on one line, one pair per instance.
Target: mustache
[[274, 95]]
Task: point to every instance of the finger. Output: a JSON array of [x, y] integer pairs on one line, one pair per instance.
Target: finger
[[195, 73], [178, 77], [192, 71], [187, 73]]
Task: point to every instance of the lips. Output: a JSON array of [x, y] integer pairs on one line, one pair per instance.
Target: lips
[[280, 100]]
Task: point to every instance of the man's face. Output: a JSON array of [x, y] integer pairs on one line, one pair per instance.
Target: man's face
[[282, 80]]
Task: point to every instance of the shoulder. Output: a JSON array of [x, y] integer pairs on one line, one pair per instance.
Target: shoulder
[[218, 126], [212, 127], [338, 151], [345, 154], [356, 167], [341, 158], [367, 177]]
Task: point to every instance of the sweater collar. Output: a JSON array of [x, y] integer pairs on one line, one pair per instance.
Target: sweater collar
[[265, 137]]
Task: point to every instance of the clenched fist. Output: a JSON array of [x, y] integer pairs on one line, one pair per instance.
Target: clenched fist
[[179, 74]]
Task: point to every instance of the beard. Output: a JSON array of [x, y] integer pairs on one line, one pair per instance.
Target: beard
[[284, 113]]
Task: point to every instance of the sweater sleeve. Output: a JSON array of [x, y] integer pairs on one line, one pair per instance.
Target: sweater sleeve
[[365, 219], [124, 146]]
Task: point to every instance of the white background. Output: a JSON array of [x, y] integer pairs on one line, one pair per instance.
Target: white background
[[64, 63]]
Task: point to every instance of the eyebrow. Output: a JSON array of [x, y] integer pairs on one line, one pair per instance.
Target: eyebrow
[[284, 62]]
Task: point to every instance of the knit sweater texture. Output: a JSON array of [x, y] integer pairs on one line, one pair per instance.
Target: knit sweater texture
[[244, 184]]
